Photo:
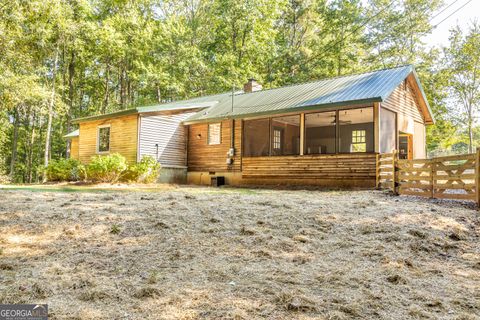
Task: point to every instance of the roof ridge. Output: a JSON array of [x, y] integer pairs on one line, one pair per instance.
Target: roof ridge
[[222, 96], [288, 85], [331, 78], [184, 100]]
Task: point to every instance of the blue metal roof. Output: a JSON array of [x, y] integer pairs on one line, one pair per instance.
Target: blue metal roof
[[195, 103], [72, 134], [368, 87], [375, 86]]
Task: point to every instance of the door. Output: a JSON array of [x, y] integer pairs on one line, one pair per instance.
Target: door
[[278, 136], [405, 146]]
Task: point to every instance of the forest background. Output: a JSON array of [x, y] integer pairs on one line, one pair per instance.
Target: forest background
[[62, 59]]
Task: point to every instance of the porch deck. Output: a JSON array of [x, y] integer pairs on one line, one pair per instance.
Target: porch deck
[[356, 170]]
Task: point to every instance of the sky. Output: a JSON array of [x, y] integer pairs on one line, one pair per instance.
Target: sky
[[463, 17]]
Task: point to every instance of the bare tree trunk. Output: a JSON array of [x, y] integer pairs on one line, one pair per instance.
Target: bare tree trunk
[[71, 74], [64, 74], [470, 131], [123, 88], [30, 153], [14, 143], [339, 58], [51, 104], [39, 148], [129, 91], [107, 91], [27, 127], [159, 94]]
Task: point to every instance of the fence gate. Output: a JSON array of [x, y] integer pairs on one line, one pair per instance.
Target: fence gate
[[452, 177]]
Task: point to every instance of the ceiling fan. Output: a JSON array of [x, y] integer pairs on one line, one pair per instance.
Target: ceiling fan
[[334, 121]]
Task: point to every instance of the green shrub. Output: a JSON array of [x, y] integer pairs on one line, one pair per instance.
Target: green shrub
[[81, 171], [146, 171], [110, 168], [63, 170], [106, 168]]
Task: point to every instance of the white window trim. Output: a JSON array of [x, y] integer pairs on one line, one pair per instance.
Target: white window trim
[[364, 136], [109, 138], [219, 133]]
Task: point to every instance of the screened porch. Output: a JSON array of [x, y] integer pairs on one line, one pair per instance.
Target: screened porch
[[342, 131]]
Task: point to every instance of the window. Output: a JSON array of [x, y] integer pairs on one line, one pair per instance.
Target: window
[[276, 136], [358, 141], [320, 132], [214, 133], [356, 130], [277, 139], [103, 139], [286, 135], [256, 138]]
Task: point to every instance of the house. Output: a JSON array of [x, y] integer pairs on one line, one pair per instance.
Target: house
[[324, 132]]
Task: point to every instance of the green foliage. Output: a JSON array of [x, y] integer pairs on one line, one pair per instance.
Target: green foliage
[[109, 168], [115, 229], [146, 171], [396, 34], [106, 168], [462, 59], [113, 55], [63, 170]]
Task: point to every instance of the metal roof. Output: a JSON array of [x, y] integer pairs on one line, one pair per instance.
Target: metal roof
[[195, 103], [362, 88], [375, 86], [106, 116], [72, 134]]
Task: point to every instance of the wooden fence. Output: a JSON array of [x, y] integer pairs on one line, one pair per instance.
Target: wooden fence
[[452, 177]]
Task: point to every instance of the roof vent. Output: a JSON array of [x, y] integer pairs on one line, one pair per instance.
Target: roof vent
[[251, 86]]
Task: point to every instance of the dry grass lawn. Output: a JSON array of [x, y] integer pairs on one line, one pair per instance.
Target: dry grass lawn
[[201, 253]]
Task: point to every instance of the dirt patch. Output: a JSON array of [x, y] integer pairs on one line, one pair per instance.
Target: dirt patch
[[202, 253]]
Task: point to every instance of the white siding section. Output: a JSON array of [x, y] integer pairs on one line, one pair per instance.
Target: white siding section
[[169, 133], [419, 141]]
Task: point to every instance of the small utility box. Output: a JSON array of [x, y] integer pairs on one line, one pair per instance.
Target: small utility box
[[217, 181]]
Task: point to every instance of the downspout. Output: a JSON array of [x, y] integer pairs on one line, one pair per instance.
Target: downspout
[[187, 141], [231, 151], [232, 126], [139, 132], [232, 134]]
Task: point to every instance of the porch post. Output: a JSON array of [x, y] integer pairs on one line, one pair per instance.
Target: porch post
[[302, 133], [376, 125]]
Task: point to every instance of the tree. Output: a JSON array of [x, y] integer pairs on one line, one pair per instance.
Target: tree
[[395, 31], [463, 63], [62, 59]]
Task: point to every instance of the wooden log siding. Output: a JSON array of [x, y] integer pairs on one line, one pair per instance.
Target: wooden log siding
[[123, 137], [410, 119], [212, 158], [403, 101], [169, 133], [74, 148], [345, 167]]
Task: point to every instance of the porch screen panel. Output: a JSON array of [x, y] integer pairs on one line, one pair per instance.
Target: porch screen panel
[[256, 137], [356, 131], [320, 132], [388, 130], [285, 135]]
